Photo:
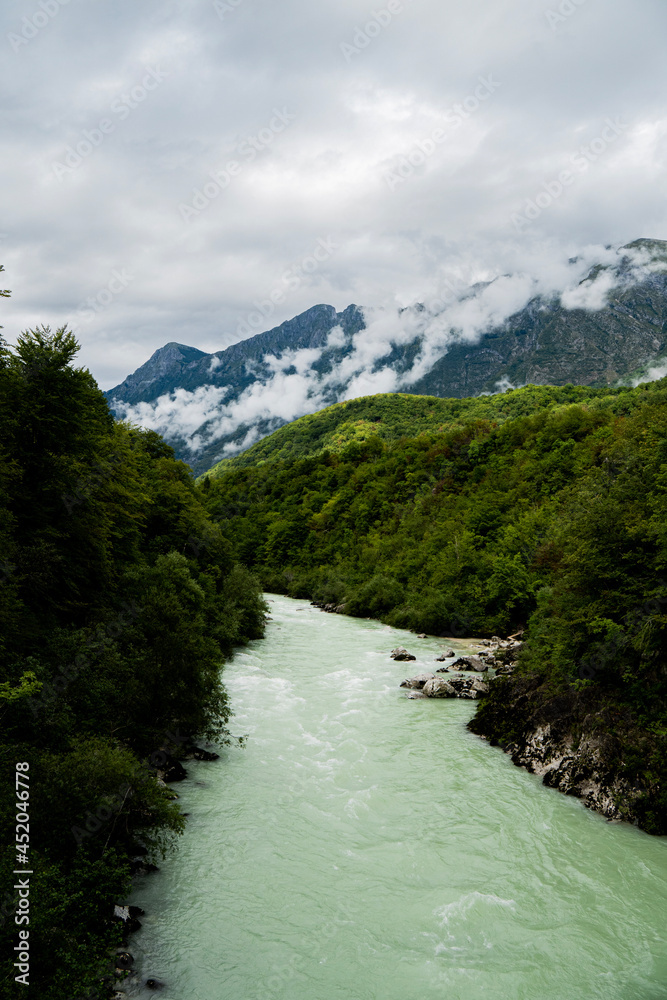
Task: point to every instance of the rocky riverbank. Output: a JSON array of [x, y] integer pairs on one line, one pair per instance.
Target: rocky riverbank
[[495, 655], [578, 742], [167, 762]]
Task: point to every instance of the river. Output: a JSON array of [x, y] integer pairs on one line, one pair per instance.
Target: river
[[363, 846]]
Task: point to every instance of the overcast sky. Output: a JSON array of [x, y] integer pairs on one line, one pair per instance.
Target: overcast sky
[[166, 166]]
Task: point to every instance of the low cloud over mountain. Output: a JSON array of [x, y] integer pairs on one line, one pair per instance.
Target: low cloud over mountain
[[594, 319]]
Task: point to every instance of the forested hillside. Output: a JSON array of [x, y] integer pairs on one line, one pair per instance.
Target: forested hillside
[[119, 599], [543, 508], [392, 416]]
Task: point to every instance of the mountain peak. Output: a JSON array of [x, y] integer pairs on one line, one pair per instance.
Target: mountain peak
[[656, 248], [161, 373], [172, 349]]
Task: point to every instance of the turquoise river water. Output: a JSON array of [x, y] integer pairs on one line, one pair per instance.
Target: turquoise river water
[[363, 846]]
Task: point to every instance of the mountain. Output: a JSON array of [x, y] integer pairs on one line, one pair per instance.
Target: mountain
[[547, 344], [239, 366], [608, 325], [167, 369]]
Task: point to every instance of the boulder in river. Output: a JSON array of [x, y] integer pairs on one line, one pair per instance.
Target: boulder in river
[[455, 687], [401, 653], [173, 770], [469, 663], [197, 753], [447, 655], [123, 962], [417, 682], [129, 918]]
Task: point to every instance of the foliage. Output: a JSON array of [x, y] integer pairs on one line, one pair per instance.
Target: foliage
[[119, 599], [392, 416]]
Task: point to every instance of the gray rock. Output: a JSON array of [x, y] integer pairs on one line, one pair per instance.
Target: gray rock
[[123, 962], [447, 655], [422, 635], [401, 654], [455, 687], [418, 681], [470, 663], [438, 687]]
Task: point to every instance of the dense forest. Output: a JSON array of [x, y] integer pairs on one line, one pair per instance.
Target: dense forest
[[119, 599], [541, 508]]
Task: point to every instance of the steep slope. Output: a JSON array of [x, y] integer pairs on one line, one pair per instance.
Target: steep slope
[[546, 344], [164, 371], [392, 416]]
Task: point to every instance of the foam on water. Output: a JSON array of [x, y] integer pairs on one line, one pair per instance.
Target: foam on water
[[367, 847]]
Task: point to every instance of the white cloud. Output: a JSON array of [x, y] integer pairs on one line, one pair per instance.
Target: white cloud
[[337, 337], [323, 174], [653, 374], [590, 295]]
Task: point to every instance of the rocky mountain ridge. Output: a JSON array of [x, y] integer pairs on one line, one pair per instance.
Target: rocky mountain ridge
[[548, 341]]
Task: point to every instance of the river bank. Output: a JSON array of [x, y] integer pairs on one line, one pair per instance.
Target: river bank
[[578, 743]]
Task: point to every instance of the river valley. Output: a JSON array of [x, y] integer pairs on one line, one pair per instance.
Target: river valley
[[363, 846]]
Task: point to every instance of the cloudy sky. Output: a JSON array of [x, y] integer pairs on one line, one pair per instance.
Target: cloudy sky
[[174, 170]]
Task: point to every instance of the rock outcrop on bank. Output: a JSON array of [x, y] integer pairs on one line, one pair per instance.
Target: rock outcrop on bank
[[577, 742], [458, 686], [474, 663]]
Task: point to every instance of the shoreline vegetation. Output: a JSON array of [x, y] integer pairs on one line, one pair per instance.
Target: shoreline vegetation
[[541, 508], [119, 601]]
